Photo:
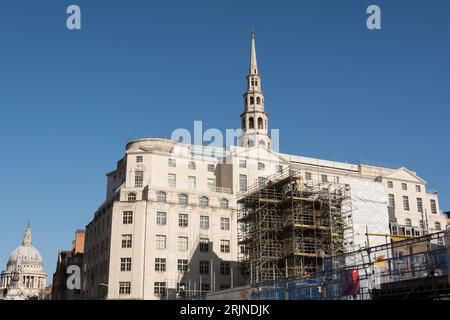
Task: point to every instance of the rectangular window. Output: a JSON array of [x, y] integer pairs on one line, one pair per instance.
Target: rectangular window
[[192, 183], [172, 180], [419, 205], [337, 179], [204, 267], [404, 186], [308, 176], [418, 188], [182, 265], [211, 185], [261, 166], [172, 163], [127, 241], [211, 167], [204, 222], [183, 220], [183, 243], [138, 179], [124, 287], [160, 242], [224, 224], [160, 264], [261, 182], [125, 264], [242, 164], [127, 217], [433, 206], [392, 200], [225, 246], [242, 182], [161, 218], [205, 287], [139, 158], [159, 288], [324, 178], [225, 268], [279, 169], [405, 203], [191, 165], [390, 184], [204, 245]]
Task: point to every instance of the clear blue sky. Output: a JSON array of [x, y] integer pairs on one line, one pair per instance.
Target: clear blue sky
[[69, 100]]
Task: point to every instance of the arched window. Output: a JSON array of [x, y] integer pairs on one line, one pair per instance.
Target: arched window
[[161, 196], [256, 82], [260, 123], [251, 123], [183, 199], [204, 202], [422, 225], [224, 203], [437, 226], [251, 143], [408, 222], [258, 100], [131, 197], [252, 100], [262, 143], [243, 124]]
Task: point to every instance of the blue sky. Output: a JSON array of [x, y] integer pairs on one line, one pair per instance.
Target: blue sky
[[69, 100]]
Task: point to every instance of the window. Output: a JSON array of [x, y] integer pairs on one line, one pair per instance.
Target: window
[[437, 226], [183, 199], [127, 241], [258, 101], [224, 224], [392, 200], [161, 218], [225, 268], [138, 179], [127, 217], [261, 166], [161, 197], [124, 287], [204, 202], [182, 265], [192, 183], [421, 224], [337, 179], [172, 163], [261, 182], [404, 186], [205, 287], [160, 242], [418, 188], [204, 222], [408, 222], [204, 267], [242, 164], [183, 243], [225, 246], [242, 182], [131, 197], [211, 167], [125, 264], [324, 178], [191, 165], [308, 176], [279, 168], [204, 245], [160, 264], [433, 206], [159, 288], [183, 220], [139, 158], [172, 180], [405, 203], [390, 184], [224, 204], [211, 185], [419, 205]]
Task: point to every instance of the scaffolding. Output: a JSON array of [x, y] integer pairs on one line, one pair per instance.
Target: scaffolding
[[289, 225]]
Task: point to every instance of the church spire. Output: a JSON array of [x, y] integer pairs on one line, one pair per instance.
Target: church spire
[[27, 236], [253, 69]]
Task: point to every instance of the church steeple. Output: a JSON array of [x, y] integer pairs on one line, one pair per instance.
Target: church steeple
[[27, 236], [254, 119]]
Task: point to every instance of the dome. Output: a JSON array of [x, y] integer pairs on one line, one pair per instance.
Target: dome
[[25, 255]]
